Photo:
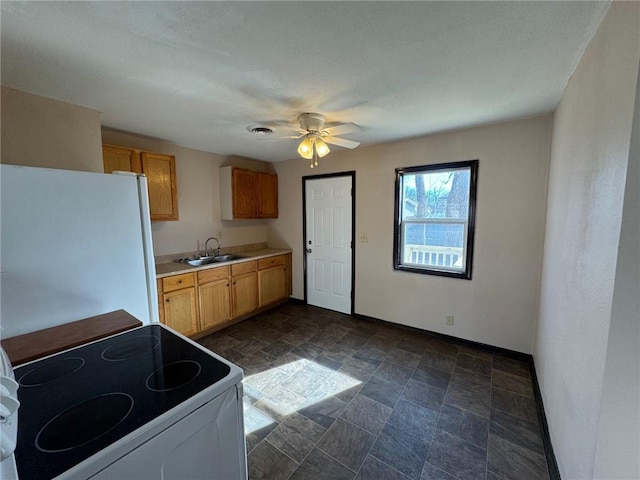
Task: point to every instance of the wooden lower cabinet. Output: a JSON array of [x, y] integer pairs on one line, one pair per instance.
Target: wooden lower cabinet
[[244, 294], [215, 303], [274, 278], [272, 284], [180, 310], [199, 301]]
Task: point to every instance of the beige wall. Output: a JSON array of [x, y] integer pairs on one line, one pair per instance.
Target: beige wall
[[618, 450], [198, 197], [497, 307], [589, 158], [42, 132]]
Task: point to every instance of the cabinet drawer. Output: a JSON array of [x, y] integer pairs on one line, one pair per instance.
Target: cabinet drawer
[[270, 262], [244, 267], [212, 274], [175, 282]]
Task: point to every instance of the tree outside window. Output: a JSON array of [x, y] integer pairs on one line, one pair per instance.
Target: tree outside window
[[435, 215]]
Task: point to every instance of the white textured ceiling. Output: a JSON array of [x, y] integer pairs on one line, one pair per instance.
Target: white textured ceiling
[[199, 73]]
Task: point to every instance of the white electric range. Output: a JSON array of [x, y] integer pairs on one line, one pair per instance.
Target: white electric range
[[147, 403]]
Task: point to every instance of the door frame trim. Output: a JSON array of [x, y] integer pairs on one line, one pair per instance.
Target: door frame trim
[[352, 174]]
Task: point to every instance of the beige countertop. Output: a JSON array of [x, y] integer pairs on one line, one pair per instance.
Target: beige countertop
[[172, 268]]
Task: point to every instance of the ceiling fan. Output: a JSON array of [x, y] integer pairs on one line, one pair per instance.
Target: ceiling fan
[[315, 136]]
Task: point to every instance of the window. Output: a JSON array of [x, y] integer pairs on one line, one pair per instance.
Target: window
[[434, 219]]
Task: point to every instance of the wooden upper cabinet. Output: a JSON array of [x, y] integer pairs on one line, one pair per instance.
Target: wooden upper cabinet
[[160, 171], [122, 159], [267, 195], [244, 185], [161, 180], [247, 194]]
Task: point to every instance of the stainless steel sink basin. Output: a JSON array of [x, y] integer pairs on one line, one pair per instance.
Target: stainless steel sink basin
[[226, 258], [196, 262]]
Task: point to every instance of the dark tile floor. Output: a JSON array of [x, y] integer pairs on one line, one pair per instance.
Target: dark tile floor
[[328, 396]]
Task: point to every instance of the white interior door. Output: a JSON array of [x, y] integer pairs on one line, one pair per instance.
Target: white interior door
[[328, 242]]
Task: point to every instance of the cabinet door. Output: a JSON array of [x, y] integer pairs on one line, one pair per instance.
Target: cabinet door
[[215, 306], [161, 180], [180, 310], [272, 284], [118, 158], [244, 294], [244, 193], [267, 195]]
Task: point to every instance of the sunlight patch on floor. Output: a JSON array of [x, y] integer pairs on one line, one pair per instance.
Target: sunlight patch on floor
[[286, 388]]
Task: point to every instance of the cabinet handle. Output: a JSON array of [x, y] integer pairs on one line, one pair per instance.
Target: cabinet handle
[[167, 300], [179, 282]]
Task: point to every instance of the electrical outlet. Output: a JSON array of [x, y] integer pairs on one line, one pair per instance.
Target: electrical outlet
[[363, 237], [449, 319], [219, 236]]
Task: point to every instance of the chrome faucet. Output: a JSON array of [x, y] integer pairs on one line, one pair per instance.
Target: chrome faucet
[[216, 251]]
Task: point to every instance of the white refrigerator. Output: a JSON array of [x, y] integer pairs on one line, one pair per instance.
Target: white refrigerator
[[73, 245]]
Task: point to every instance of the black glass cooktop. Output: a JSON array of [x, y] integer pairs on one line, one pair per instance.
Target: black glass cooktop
[[74, 404]]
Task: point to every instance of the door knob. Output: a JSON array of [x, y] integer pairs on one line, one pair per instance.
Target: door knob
[[308, 250]]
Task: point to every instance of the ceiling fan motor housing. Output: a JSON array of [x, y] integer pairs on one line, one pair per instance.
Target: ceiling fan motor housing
[[311, 122]]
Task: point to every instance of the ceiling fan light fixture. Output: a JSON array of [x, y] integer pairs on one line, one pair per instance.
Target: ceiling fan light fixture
[[321, 148], [315, 137], [305, 149]]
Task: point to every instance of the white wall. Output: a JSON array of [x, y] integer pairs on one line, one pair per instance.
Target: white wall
[[42, 132], [589, 156], [499, 305], [618, 450], [198, 197]]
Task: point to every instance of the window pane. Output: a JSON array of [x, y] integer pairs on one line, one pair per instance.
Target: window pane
[[434, 245], [435, 209], [438, 234], [439, 194]]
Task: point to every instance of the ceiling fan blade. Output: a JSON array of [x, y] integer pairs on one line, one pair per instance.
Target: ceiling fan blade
[[342, 129], [341, 142]]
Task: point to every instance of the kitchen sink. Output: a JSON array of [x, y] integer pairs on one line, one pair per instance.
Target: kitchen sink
[[226, 258], [196, 262]]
